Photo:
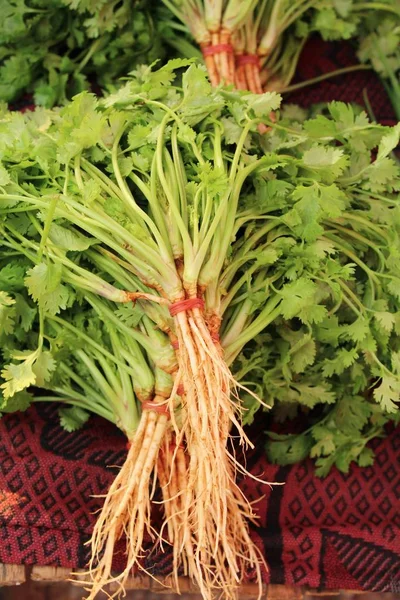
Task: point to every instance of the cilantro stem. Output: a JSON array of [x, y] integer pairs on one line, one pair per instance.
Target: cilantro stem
[[239, 319], [174, 117], [90, 392], [109, 392], [171, 194], [47, 225], [353, 297], [363, 240], [371, 275], [227, 207], [367, 224], [88, 340], [268, 314], [180, 171], [376, 6], [130, 203], [162, 355], [146, 261], [374, 195], [72, 397], [92, 50], [298, 86]]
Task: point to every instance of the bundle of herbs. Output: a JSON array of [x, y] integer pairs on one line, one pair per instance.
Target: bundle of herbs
[[256, 45], [164, 215], [55, 49]]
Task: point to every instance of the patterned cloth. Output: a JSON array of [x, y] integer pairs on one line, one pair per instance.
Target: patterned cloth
[[339, 532]]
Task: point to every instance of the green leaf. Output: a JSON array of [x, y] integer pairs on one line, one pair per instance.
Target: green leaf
[[396, 362], [67, 239], [198, 97], [325, 442], [73, 418], [311, 395], [12, 277], [130, 315], [356, 331], [17, 378], [333, 201], [382, 175], [385, 319], [296, 296], [263, 104], [43, 283], [387, 394], [352, 413], [320, 127], [366, 457], [343, 360], [389, 142], [7, 313], [329, 162], [43, 368], [288, 450], [5, 178], [19, 402], [304, 356], [24, 314], [250, 406]]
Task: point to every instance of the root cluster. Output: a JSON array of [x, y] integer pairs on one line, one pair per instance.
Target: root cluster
[[206, 514], [215, 507], [127, 507]]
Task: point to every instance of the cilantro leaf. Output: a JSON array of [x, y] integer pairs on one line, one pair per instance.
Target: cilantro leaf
[[73, 418], [44, 285]]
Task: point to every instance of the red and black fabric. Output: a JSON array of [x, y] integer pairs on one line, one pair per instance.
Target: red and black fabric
[[338, 532]]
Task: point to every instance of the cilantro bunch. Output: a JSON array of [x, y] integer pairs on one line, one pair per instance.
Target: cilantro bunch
[[57, 48], [256, 45], [304, 287]]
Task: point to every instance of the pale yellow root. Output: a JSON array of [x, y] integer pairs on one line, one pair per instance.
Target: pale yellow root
[[126, 509], [257, 79], [215, 507], [240, 78], [173, 475], [250, 77], [226, 59], [217, 57]]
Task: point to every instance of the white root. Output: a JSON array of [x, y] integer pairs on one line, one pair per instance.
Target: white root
[[126, 509], [215, 508]]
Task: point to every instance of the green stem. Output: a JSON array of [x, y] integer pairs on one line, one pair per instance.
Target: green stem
[[69, 399], [130, 203], [298, 86], [269, 313], [92, 50]]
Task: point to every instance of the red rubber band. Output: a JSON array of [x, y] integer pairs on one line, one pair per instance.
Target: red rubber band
[[248, 59], [161, 409], [180, 390], [217, 49], [128, 445], [184, 305], [175, 344]]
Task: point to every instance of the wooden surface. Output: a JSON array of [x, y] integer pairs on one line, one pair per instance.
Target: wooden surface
[[51, 583]]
